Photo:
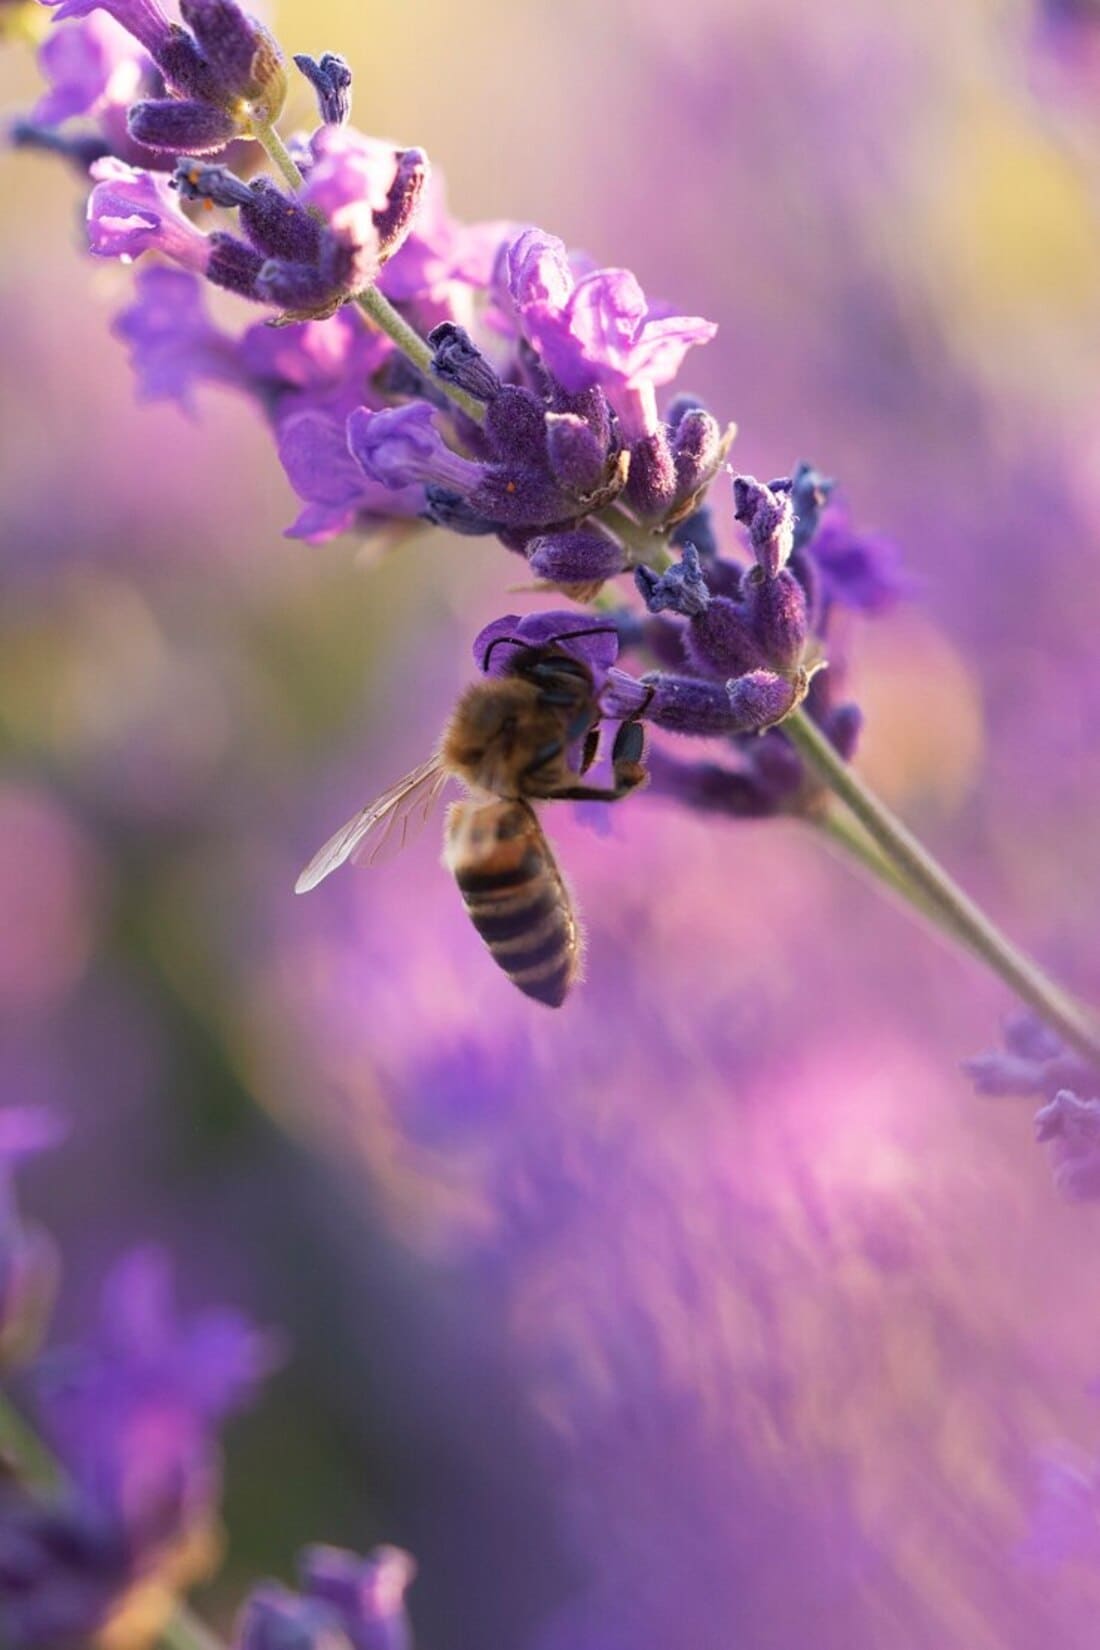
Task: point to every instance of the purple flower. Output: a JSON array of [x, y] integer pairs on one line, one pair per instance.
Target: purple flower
[[343, 1600], [401, 447], [92, 66], [1034, 1061], [133, 1415], [173, 344], [1071, 1128], [143, 19], [131, 212], [604, 332], [313, 450], [859, 570], [590, 638], [132, 1418]]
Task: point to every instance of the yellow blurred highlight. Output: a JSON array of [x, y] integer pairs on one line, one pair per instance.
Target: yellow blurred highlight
[[924, 722]]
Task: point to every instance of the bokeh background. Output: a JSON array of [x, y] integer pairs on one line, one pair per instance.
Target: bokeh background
[[712, 1311]]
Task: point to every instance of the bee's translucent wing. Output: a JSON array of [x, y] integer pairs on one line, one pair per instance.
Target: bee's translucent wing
[[383, 827]]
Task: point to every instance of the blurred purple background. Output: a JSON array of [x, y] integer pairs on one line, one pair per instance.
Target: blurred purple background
[[713, 1310]]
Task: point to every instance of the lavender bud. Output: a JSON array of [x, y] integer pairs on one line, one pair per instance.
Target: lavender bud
[[776, 613], [520, 497], [679, 407], [516, 427], [842, 728], [457, 360], [299, 288], [651, 480], [684, 704], [696, 451], [181, 126], [197, 181], [234, 265], [394, 222], [721, 642], [244, 61], [577, 457], [278, 227], [809, 495], [584, 555], [680, 589], [769, 517], [331, 80]]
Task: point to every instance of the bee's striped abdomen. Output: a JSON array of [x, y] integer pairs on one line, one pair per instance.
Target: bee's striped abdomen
[[515, 895]]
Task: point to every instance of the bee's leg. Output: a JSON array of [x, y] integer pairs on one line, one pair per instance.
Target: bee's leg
[[591, 746], [542, 758]]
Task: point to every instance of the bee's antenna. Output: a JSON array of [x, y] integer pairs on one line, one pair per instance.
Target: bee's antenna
[[550, 641]]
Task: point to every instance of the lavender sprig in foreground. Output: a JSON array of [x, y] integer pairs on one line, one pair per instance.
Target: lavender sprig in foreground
[[108, 1500], [502, 387]]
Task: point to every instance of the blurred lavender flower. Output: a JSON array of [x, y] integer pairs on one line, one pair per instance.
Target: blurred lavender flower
[[1036, 1062], [131, 1416], [344, 1603]]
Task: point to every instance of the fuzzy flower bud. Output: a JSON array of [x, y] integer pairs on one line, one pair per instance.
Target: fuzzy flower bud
[[584, 555], [577, 454], [330, 77], [685, 704], [809, 495], [775, 610], [651, 480], [181, 125], [394, 221], [457, 360], [768, 514]]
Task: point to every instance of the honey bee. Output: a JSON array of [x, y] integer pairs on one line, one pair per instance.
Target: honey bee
[[509, 741]]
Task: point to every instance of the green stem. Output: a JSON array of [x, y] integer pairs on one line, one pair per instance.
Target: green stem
[[278, 153], [381, 313], [922, 874], [31, 1462], [845, 834]]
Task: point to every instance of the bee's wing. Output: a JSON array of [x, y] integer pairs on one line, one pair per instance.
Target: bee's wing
[[383, 827]]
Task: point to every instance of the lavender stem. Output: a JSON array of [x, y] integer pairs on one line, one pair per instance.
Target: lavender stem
[[928, 879]]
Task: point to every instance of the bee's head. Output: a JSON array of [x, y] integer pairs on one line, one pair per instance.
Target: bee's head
[[488, 732]]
